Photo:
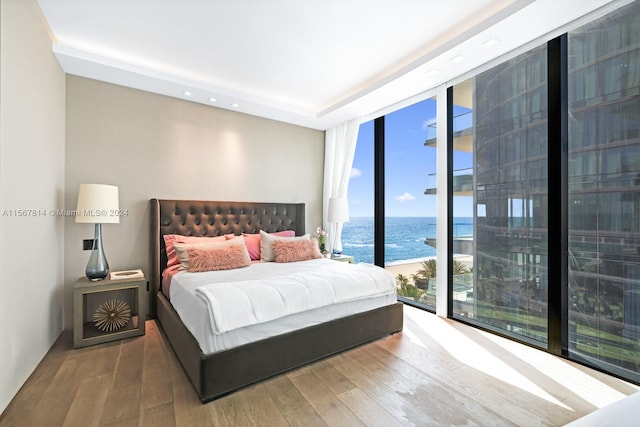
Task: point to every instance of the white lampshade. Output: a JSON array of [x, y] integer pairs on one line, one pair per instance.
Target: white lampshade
[[338, 210], [98, 204]]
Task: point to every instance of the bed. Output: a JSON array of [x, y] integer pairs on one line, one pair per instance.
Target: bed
[[217, 372]]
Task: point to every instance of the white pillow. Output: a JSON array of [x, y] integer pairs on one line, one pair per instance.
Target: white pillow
[[266, 244]]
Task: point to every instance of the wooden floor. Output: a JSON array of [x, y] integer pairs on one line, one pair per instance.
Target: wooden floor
[[436, 372]]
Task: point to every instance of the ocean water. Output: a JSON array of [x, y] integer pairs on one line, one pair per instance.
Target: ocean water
[[404, 238]]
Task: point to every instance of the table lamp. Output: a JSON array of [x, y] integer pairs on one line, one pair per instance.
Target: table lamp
[[97, 204]]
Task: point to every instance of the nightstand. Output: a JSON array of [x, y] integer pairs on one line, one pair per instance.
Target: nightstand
[[343, 258], [107, 310]]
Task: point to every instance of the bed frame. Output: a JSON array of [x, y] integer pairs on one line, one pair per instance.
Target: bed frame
[[217, 374]]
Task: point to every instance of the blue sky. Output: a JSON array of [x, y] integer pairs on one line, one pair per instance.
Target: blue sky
[[407, 162]]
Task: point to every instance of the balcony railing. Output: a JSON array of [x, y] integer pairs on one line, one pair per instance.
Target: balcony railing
[[461, 123], [462, 181]]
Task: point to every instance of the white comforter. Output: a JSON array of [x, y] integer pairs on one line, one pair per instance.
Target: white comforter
[[195, 314], [240, 303]]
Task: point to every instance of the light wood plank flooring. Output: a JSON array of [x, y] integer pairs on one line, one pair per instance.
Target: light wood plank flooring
[[436, 372]]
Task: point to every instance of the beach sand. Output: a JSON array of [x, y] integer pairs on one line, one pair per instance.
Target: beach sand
[[406, 269]]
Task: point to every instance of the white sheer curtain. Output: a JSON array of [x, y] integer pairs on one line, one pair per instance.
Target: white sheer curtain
[[339, 149]]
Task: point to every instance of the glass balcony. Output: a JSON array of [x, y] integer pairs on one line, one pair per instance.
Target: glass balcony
[[462, 182]]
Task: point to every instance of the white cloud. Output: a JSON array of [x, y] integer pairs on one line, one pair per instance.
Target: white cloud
[[406, 197], [355, 172]]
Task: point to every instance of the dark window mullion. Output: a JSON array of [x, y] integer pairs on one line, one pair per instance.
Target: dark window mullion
[[378, 218], [557, 196], [449, 172]]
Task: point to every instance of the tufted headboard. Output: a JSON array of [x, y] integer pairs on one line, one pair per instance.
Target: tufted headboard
[[213, 218]]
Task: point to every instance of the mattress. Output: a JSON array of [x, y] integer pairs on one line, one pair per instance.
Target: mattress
[[194, 313]]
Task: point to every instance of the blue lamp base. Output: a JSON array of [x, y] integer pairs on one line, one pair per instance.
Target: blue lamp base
[[97, 267]]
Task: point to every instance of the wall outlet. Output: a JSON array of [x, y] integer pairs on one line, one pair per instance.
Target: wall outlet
[[87, 244]]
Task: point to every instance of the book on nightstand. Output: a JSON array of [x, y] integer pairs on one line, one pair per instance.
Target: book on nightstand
[[127, 274]]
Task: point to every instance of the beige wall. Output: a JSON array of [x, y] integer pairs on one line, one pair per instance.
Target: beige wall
[[32, 119], [155, 146]]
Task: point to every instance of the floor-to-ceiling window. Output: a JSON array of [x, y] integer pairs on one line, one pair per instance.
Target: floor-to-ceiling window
[[507, 188], [551, 261], [604, 192], [463, 199], [358, 232], [410, 200]]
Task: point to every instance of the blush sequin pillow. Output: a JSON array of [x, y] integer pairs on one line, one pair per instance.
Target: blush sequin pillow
[[296, 250], [213, 259]]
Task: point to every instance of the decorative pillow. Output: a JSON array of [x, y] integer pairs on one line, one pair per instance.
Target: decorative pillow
[[213, 259], [253, 242], [297, 250], [170, 239], [266, 244], [182, 249]]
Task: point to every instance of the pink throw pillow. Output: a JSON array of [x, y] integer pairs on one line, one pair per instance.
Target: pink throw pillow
[[253, 242], [170, 239], [296, 250], [207, 259]]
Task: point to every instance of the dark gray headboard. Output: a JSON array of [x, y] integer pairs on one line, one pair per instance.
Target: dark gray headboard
[[213, 218]]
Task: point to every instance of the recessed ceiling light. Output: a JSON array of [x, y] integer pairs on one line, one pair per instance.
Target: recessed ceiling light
[[187, 93], [432, 72], [235, 105], [457, 59], [491, 42], [212, 100]]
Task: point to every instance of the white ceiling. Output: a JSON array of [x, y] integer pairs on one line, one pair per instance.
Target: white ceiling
[[311, 63]]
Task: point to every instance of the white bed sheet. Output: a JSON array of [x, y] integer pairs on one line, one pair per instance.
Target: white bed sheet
[[193, 310]]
